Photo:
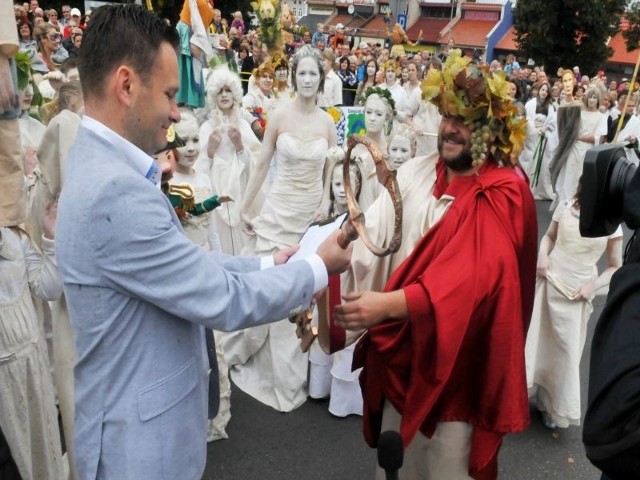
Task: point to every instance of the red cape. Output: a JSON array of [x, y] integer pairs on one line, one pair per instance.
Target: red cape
[[459, 355]]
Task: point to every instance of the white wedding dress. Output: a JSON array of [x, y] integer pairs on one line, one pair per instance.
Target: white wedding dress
[[266, 361]]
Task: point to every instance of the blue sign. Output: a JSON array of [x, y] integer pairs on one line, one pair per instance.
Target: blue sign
[[402, 20]]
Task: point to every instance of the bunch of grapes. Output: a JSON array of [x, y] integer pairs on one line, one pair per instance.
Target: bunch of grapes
[[479, 138]]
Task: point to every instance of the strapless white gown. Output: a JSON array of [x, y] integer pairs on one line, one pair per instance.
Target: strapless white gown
[[266, 361]]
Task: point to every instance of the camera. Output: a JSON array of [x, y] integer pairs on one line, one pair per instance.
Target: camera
[[610, 191]]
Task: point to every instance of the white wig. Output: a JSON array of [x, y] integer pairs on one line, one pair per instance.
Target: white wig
[[223, 77], [404, 130]]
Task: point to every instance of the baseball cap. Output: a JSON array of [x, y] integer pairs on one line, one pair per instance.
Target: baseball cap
[[363, 45], [75, 12], [624, 80], [339, 25]]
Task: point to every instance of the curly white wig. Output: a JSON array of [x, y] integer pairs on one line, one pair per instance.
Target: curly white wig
[[221, 77], [404, 130]]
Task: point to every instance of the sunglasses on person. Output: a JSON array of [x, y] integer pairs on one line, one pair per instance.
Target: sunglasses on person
[[54, 37]]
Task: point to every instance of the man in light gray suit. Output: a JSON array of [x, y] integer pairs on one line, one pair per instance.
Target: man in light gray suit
[[139, 292]]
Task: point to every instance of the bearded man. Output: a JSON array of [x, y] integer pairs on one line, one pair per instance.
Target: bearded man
[[443, 355]]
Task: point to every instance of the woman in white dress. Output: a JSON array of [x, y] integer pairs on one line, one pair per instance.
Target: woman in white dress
[[266, 361], [592, 128], [566, 284], [28, 416], [540, 143], [227, 148]]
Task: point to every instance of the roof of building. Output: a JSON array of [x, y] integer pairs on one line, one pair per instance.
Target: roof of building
[[620, 54], [508, 41], [431, 28], [470, 33]]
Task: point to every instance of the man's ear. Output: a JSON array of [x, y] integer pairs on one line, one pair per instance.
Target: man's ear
[[126, 85]]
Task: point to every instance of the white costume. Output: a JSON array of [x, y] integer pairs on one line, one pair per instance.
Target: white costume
[[558, 327], [229, 173], [201, 230], [266, 361], [28, 416], [369, 272], [594, 123], [425, 121], [537, 122]]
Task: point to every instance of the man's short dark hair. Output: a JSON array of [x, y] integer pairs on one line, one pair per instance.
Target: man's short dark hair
[[121, 35]]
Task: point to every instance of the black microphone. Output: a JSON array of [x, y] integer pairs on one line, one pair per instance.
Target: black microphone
[[390, 453]]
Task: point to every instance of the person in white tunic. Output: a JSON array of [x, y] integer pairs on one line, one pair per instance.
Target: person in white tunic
[[201, 230], [331, 375], [566, 285], [266, 362], [592, 128], [379, 110], [28, 416], [540, 144], [227, 149]]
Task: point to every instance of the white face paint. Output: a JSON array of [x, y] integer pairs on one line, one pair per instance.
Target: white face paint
[[224, 99], [399, 151], [307, 77], [26, 97], [281, 75], [337, 188], [188, 130], [375, 114]]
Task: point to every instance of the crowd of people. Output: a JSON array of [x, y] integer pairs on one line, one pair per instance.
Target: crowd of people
[[252, 161]]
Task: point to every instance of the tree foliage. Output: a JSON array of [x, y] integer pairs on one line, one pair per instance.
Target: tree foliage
[[632, 34], [564, 33]]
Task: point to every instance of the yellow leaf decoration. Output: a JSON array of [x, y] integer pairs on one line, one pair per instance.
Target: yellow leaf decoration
[[478, 97], [171, 134]]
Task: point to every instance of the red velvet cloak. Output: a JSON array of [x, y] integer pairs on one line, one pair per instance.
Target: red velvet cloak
[[459, 355]]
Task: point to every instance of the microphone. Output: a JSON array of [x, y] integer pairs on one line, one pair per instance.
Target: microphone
[[390, 453]]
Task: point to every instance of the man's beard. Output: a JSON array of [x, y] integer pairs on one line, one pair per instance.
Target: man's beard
[[461, 162]]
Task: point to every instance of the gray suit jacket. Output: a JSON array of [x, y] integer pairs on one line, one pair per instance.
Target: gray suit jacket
[[139, 293]]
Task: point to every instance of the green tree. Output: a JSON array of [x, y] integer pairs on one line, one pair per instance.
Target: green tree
[[632, 34], [564, 33]]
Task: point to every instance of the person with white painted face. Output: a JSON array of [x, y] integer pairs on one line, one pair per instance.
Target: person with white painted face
[[379, 110], [402, 146], [266, 362], [227, 149], [591, 130]]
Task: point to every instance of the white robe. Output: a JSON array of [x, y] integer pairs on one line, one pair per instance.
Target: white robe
[[558, 328]]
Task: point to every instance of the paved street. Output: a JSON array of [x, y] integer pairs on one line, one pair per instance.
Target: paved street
[[310, 444]]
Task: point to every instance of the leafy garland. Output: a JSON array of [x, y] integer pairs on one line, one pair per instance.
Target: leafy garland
[[382, 93], [24, 73], [481, 99]]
